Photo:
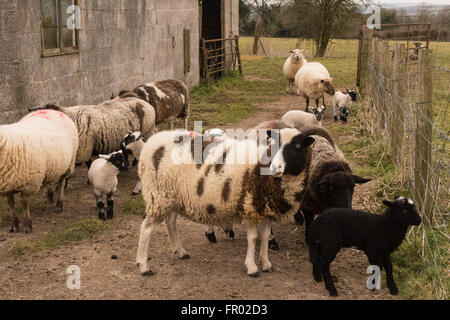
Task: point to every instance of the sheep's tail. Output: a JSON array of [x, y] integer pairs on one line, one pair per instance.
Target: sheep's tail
[[319, 131], [48, 106]]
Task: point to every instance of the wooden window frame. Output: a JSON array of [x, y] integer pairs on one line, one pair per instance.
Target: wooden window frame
[[61, 50]]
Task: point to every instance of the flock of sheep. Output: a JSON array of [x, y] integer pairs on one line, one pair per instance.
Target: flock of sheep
[[291, 167]]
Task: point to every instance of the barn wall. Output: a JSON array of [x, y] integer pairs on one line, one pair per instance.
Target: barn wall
[[122, 44]]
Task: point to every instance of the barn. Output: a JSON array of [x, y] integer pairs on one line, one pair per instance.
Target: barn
[[72, 52]]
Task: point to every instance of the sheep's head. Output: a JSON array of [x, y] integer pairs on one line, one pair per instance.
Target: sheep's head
[[404, 211], [117, 159], [318, 112], [352, 94], [296, 55], [294, 154], [129, 139], [326, 85], [344, 111], [336, 188]]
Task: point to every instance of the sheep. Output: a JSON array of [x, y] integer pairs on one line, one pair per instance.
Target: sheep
[[170, 98], [103, 177], [102, 127], [378, 235], [312, 81], [37, 151], [293, 63], [342, 103], [133, 142], [219, 190], [330, 182], [298, 119]]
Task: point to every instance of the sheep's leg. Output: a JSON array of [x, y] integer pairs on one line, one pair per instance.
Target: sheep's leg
[[307, 104], [327, 256], [273, 244], [50, 194], [60, 201], [110, 205], [266, 232], [252, 234], [298, 218], [147, 227], [171, 223], [209, 233], [171, 125], [27, 223], [317, 102], [138, 186], [309, 218], [100, 206], [387, 263], [228, 229], [12, 212]]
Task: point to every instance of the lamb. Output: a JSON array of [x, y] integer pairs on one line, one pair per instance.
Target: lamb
[[293, 63], [342, 103], [170, 98], [133, 142], [298, 119], [377, 235], [37, 151], [248, 191], [312, 81], [102, 127], [103, 177]]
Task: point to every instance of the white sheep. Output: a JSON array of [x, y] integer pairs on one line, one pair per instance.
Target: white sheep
[[342, 103], [103, 177], [312, 81], [293, 63], [37, 151], [102, 127], [170, 98], [298, 119], [133, 142], [233, 183]]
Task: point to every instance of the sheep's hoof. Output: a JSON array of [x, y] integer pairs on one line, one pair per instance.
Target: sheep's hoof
[[254, 275], [14, 230], [230, 233], [273, 245], [393, 290], [59, 206], [270, 269], [148, 273], [335, 279], [144, 215], [135, 193], [317, 278], [335, 118], [101, 216], [334, 293], [185, 256], [211, 237]]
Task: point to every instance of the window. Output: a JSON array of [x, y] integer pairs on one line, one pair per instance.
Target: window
[[57, 36]]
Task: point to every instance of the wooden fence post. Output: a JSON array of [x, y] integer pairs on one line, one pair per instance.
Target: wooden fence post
[[386, 69], [400, 85], [238, 53], [424, 134]]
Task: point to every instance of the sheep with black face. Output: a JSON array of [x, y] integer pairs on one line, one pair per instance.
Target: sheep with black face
[[133, 143], [237, 191], [378, 235], [342, 103]]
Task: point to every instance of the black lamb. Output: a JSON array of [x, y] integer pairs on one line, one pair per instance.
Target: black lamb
[[376, 234]]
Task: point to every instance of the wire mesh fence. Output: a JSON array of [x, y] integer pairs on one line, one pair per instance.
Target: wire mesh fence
[[406, 103]]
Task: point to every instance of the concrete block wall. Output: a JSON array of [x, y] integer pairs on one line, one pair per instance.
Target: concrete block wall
[[122, 44]]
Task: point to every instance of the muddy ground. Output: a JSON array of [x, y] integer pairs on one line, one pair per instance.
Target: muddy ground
[[214, 271]]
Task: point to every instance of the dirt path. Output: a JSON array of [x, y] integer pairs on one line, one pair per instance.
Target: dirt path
[[214, 271]]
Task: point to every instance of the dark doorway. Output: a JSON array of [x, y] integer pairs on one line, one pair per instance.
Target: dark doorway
[[211, 19]]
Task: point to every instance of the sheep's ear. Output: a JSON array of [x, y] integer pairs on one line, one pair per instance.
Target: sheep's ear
[[292, 51], [104, 156], [361, 180], [310, 108], [388, 203], [308, 141]]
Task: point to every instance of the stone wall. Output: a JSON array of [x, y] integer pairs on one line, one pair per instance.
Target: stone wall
[[122, 44]]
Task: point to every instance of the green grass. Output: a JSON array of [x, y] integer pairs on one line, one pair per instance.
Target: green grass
[[136, 206], [80, 230]]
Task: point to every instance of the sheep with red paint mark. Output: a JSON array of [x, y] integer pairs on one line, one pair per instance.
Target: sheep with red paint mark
[[37, 151]]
